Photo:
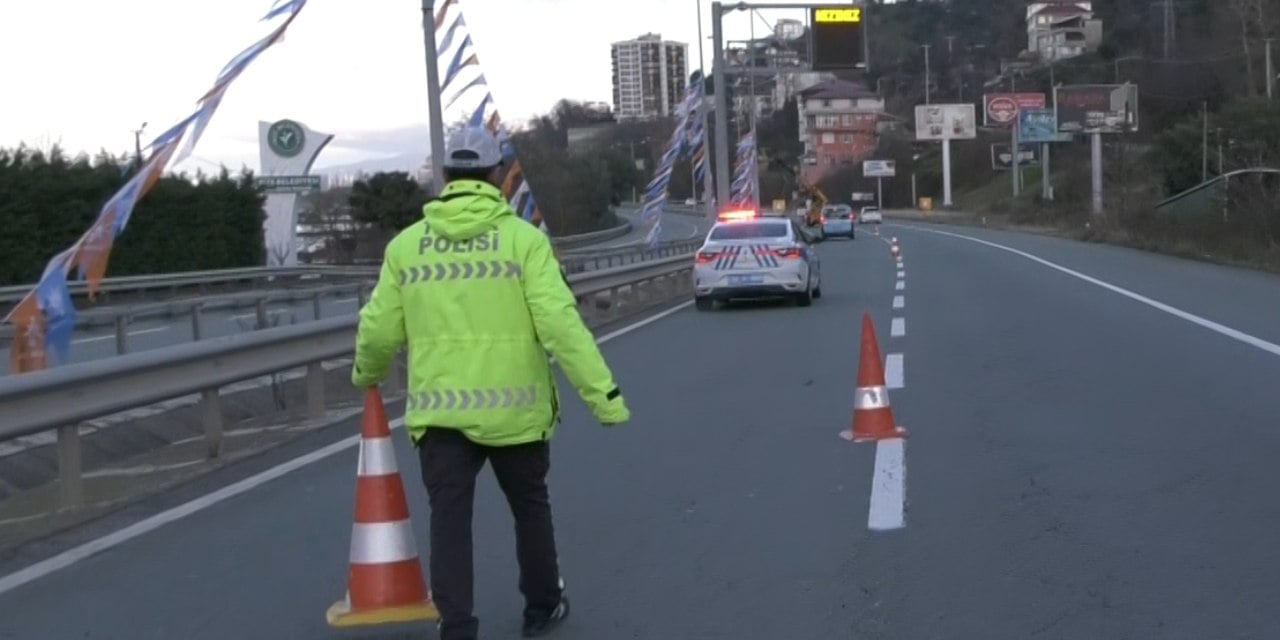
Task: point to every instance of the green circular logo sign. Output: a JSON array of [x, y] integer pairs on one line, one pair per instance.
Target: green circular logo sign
[[286, 138]]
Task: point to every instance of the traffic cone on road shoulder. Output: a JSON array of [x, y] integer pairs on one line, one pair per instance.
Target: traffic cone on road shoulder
[[385, 582], [872, 415]]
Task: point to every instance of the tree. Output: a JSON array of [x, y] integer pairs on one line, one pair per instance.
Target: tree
[[185, 223], [327, 227], [390, 201]]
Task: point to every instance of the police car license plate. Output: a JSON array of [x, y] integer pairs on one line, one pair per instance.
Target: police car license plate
[[746, 278]]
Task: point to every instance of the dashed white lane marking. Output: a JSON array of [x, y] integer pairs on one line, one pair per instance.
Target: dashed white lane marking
[[139, 332], [899, 302], [894, 375], [901, 273], [889, 487], [898, 328], [1234, 334], [71, 556], [900, 286]]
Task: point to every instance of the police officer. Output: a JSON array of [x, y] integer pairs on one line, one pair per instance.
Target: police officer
[[476, 294]]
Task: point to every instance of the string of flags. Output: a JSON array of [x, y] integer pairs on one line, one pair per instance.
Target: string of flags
[[744, 191], [45, 318], [461, 56], [689, 137]]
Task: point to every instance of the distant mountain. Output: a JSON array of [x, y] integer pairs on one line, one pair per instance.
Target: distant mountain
[[409, 162]]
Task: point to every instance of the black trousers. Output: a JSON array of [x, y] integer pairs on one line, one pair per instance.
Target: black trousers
[[450, 464]]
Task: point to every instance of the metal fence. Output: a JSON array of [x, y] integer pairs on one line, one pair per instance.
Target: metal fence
[[62, 397]]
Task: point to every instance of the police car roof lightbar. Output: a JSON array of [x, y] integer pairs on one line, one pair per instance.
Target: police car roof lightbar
[[738, 214]]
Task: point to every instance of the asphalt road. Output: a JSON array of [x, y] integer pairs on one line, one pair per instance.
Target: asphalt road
[[675, 226], [1081, 465]]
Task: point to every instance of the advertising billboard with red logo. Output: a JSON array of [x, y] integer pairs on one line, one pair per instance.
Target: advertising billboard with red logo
[[1001, 109]]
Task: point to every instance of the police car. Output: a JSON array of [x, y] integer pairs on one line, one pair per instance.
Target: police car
[[749, 256]]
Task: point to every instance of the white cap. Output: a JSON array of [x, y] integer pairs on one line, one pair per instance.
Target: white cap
[[472, 148]]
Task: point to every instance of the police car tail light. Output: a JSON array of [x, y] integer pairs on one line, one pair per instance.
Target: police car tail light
[[788, 252], [707, 256]]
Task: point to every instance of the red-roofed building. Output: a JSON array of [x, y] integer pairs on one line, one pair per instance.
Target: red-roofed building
[[1058, 29], [838, 124]]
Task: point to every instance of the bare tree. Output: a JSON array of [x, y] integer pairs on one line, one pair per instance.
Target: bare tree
[[1248, 11], [328, 229]]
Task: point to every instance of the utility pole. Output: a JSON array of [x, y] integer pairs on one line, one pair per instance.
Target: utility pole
[[950, 45], [1204, 143], [1170, 21], [436, 116], [926, 72], [1271, 72]]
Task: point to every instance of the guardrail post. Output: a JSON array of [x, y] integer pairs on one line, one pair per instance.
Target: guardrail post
[[211, 419], [122, 335], [196, 324], [315, 306], [262, 313], [315, 391], [70, 467], [361, 297]]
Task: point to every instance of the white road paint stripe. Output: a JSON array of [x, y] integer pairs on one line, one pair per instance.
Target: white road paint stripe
[[902, 273], [889, 487], [898, 328], [142, 527], [899, 302], [894, 374], [900, 286], [139, 332], [1234, 334]]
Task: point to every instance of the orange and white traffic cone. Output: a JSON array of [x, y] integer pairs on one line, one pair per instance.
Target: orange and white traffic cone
[[385, 582], [872, 416]]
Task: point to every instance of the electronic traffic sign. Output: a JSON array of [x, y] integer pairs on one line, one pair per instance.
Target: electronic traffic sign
[[837, 42]]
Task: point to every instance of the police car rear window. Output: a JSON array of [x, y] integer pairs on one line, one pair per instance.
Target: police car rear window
[[747, 230]]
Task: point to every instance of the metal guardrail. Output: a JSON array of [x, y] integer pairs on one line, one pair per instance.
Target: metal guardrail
[[60, 398]]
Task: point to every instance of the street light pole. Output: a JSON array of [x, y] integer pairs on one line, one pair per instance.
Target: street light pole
[[137, 144], [722, 104], [436, 117]]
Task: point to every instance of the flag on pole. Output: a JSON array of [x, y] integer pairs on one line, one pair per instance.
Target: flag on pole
[[45, 318]]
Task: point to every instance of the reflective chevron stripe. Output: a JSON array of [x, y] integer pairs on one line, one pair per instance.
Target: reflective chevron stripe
[[472, 399], [474, 270]]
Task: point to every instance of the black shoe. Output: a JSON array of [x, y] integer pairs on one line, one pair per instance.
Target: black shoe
[[537, 625]]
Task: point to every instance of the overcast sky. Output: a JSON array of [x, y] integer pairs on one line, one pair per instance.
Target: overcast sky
[[86, 73]]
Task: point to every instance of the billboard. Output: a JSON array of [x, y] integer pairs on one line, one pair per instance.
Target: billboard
[[862, 196], [946, 122], [878, 169], [837, 41], [1001, 109], [1097, 108], [1002, 158], [1038, 126]]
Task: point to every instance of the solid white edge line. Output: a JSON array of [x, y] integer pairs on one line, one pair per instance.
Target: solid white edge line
[[898, 328], [894, 371], [899, 302], [889, 486], [1234, 334], [73, 555]]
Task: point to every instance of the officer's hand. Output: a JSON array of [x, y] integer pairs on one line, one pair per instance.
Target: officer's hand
[[613, 412], [362, 381]]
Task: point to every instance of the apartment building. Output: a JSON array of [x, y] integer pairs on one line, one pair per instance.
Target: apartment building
[[649, 77]]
